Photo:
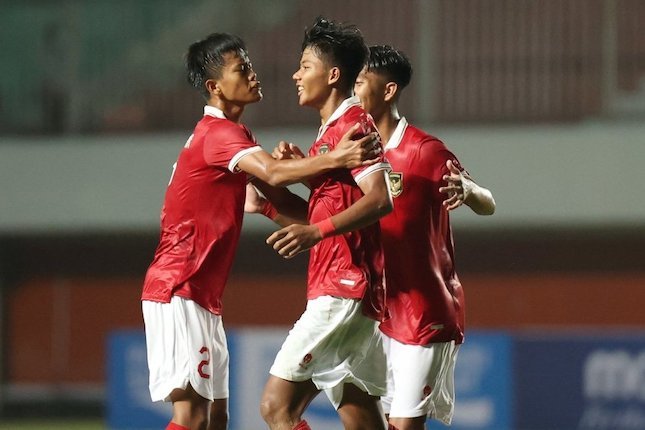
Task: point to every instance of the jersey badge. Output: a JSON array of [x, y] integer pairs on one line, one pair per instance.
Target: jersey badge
[[396, 183], [323, 149]]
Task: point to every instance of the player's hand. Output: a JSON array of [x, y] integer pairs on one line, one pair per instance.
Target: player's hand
[[287, 150], [294, 239], [254, 202], [364, 151], [458, 187]]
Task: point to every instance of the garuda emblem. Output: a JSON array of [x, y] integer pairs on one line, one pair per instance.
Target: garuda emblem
[[396, 183]]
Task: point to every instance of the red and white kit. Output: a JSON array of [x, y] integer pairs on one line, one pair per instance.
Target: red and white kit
[[348, 265], [334, 342], [425, 299], [201, 220]]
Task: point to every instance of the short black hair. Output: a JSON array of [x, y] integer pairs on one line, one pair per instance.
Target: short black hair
[[391, 63], [339, 45], [205, 58]]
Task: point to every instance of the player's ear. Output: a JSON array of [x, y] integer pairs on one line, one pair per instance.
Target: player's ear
[[212, 87], [391, 89], [334, 75]]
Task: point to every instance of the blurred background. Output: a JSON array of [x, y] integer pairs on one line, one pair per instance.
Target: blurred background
[[543, 101]]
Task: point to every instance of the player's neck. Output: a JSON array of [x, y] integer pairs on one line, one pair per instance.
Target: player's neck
[[330, 105], [387, 123], [231, 111]]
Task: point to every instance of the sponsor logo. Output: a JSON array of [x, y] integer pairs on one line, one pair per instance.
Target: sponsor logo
[[306, 360], [614, 375], [427, 390]]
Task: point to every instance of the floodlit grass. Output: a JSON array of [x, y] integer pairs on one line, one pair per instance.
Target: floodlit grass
[[52, 425]]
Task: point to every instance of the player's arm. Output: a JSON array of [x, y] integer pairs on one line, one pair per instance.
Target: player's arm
[[276, 203], [461, 189], [375, 203], [287, 150], [279, 173]]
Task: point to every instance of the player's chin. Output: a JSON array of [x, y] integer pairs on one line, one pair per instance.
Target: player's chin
[[303, 101]]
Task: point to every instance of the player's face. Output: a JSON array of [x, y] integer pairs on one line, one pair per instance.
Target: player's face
[[370, 88], [238, 83], [312, 80]]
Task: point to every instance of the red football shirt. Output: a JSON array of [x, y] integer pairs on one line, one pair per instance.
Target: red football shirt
[[425, 299], [348, 265], [201, 217]]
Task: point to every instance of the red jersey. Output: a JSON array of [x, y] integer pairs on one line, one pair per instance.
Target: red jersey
[[425, 299], [202, 213], [346, 265]]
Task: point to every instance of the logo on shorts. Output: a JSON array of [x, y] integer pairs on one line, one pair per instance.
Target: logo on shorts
[[306, 360], [396, 183], [323, 149], [426, 391]]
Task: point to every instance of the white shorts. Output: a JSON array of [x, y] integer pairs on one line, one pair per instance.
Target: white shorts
[[333, 344], [420, 380], [186, 344]]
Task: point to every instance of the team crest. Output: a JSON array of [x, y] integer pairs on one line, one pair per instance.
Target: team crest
[[323, 149], [396, 183]]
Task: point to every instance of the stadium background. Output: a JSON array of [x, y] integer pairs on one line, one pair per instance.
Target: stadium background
[[543, 101]]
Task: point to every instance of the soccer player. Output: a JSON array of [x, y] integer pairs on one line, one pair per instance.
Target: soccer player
[[425, 299], [334, 346], [201, 219]]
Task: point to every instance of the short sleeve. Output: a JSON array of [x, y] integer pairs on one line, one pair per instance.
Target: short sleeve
[[367, 127], [227, 145], [433, 155]]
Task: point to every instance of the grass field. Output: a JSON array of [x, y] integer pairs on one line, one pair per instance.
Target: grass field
[[52, 425]]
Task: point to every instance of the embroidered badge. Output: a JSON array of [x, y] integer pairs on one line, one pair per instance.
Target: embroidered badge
[[396, 183], [323, 149]]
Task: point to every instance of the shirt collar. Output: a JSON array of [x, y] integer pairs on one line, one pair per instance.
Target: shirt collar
[[397, 136], [340, 110], [213, 111]]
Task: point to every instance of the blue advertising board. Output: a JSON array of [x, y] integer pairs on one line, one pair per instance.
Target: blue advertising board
[[252, 353], [570, 382], [128, 400], [482, 383]]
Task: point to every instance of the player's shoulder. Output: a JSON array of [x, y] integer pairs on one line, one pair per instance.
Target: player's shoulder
[[424, 139], [417, 134], [353, 115], [225, 128], [355, 112]]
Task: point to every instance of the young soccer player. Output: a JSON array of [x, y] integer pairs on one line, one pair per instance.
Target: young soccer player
[[201, 221], [334, 346], [425, 299]]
